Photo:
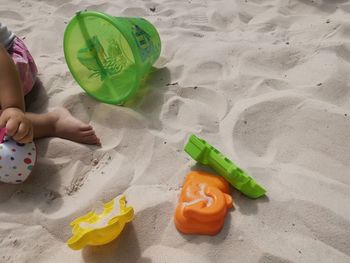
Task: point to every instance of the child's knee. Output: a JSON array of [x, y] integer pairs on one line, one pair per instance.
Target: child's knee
[[16, 161]]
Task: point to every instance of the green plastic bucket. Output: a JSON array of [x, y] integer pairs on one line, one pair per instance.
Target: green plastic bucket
[[109, 56]]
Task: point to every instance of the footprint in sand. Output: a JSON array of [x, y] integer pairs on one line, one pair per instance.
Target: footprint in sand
[[192, 110]]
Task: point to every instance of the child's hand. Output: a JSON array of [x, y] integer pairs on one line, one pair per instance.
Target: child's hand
[[18, 126]]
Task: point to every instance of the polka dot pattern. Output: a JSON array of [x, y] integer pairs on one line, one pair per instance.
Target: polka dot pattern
[[16, 161]]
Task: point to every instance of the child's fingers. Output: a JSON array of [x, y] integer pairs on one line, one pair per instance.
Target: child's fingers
[[3, 120], [12, 126], [22, 131], [28, 138]]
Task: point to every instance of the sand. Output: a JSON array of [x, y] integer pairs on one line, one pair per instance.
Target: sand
[[266, 82]]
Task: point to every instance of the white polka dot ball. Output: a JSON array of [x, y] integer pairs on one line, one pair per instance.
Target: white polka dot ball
[[16, 161]]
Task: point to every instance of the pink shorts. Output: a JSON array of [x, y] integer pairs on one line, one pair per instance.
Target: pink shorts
[[25, 64]]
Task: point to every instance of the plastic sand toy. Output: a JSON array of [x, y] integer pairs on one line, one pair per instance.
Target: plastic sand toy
[[16, 160], [204, 153], [93, 229], [109, 56], [203, 204]]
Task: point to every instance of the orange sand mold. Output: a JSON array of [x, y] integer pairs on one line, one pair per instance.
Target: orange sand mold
[[203, 204]]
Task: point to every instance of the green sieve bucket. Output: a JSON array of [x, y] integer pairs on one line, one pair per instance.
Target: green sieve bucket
[[109, 56]]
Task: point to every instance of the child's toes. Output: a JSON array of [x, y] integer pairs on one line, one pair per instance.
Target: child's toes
[[88, 133], [85, 127], [91, 139]]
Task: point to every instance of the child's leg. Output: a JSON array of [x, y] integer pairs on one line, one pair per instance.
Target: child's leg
[[60, 123]]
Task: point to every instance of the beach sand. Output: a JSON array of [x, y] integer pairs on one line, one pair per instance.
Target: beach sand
[[266, 82]]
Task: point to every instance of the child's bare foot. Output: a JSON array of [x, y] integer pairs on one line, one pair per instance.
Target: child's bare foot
[[70, 128], [60, 123]]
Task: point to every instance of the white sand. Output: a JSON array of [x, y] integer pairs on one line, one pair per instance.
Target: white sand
[[266, 82]]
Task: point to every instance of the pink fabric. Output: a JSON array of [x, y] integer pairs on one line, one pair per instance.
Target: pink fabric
[[25, 64]]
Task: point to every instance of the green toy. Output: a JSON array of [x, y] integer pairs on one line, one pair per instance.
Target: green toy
[[109, 56], [204, 153]]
